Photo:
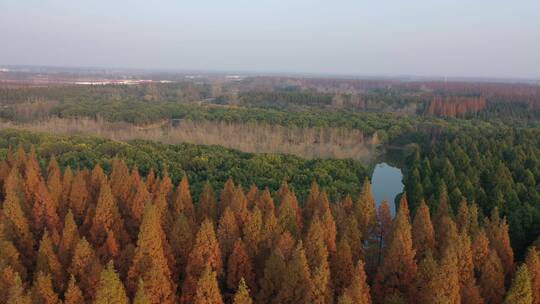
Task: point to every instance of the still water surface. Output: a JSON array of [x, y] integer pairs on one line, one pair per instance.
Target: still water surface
[[386, 184]]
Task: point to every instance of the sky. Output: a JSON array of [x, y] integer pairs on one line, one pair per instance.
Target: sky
[[469, 38]]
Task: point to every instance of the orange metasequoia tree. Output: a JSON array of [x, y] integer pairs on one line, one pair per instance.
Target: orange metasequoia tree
[[422, 232], [110, 289], [149, 262], [207, 288], [240, 267], [396, 274], [205, 252]]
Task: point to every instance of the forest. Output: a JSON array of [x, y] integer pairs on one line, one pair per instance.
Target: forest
[[132, 193], [87, 236]]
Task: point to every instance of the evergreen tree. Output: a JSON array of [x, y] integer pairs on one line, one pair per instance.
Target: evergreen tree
[[398, 270], [17, 294], [271, 282], [85, 267], [42, 291], [107, 217], [240, 267], [140, 295], [48, 263], [78, 197], [365, 210], [149, 262], [422, 232], [342, 267], [183, 202], [207, 207], [492, 279], [520, 292], [227, 233], [207, 288], [358, 291], [73, 294], [533, 266], [110, 289], [296, 284], [242, 294], [70, 238], [205, 252]]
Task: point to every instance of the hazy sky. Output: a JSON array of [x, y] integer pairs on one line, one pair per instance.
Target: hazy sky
[[488, 38]]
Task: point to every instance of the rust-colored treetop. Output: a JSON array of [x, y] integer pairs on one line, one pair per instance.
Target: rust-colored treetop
[[77, 236]]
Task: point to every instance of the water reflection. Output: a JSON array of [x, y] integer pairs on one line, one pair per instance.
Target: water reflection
[[386, 184]]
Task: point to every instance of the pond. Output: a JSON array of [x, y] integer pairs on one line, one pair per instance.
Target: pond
[[386, 184]]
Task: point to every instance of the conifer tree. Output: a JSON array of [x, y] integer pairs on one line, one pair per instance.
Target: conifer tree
[[227, 232], [70, 238], [270, 230], [97, 178], [239, 207], [32, 175], [296, 284], [73, 294], [266, 203], [427, 280], [16, 221], [330, 230], [78, 197], [207, 207], [520, 292], [42, 291], [500, 241], [310, 204], [320, 290], [139, 198], [149, 262], [240, 266], [44, 209], [316, 250], [398, 270], [226, 196], [492, 279], [342, 267], [252, 196], [67, 180], [422, 232], [11, 258], [242, 294], [85, 267], [253, 231], [353, 236], [480, 247], [207, 288], [110, 289], [48, 263], [17, 294], [365, 210], [107, 217], [358, 291], [271, 282], [448, 288], [533, 266], [54, 185], [183, 202], [181, 241], [205, 252], [120, 182], [463, 220], [140, 295], [287, 216]]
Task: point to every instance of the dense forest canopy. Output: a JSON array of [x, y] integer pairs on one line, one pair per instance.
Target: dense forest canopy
[[87, 236], [85, 219]]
